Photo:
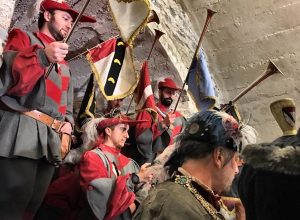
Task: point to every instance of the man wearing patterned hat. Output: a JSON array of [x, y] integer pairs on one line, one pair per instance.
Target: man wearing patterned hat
[[154, 136], [201, 168], [34, 111], [107, 176]]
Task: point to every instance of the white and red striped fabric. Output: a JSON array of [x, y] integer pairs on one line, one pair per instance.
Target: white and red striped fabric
[[144, 94]]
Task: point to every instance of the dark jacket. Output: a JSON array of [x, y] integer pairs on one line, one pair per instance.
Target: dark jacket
[[269, 184], [168, 201]]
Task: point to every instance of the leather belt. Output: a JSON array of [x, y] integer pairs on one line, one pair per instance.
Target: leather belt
[[46, 119]]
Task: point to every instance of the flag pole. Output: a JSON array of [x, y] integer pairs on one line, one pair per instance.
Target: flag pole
[[210, 13], [87, 50], [158, 34], [153, 17], [69, 34]]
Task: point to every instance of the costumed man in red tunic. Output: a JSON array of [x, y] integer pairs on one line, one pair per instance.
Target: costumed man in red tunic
[[152, 137], [34, 110], [108, 177], [64, 198]]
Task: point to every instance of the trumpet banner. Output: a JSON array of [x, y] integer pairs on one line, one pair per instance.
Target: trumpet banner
[[144, 94], [113, 67], [130, 16], [200, 85]]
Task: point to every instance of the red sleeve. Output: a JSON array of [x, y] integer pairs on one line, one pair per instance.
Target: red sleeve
[[17, 40], [27, 67], [158, 130], [64, 192], [91, 167], [141, 127], [121, 198], [155, 127]]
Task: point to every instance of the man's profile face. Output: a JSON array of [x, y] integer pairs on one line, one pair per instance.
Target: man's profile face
[[60, 24], [228, 173], [117, 103], [166, 96], [119, 135]]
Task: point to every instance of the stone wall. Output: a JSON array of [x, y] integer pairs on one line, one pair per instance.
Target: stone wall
[[6, 12], [88, 35], [241, 38]]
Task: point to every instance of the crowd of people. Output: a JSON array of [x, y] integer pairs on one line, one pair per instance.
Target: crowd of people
[[183, 169]]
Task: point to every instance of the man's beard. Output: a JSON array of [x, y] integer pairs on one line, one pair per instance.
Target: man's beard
[[226, 190], [54, 32], [166, 101]]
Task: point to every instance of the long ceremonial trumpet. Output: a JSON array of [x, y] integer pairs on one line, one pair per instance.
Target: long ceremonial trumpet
[[210, 13], [271, 70], [158, 34]]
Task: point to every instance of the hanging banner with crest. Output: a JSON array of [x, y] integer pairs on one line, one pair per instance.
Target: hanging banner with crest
[[113, 67], [143, 94]]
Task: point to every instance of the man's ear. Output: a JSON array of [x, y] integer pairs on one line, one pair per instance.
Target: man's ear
[[160, 92], [108, 131], [47, 15], [218, 157]]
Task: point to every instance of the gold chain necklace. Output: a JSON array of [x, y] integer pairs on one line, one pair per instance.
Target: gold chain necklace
[[186, 182]]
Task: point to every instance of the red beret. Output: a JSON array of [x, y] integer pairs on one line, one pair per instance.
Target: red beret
[[168, 83], [121, 119], [55, 5]]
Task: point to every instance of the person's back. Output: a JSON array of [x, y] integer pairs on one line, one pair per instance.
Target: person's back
[[169, 200], [269, 181]]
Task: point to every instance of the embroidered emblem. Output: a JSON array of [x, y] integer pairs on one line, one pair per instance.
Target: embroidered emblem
[[231, 127], [194, 128], [289, 114]]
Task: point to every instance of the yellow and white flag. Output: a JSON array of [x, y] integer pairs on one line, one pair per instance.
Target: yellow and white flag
[[130, 16]]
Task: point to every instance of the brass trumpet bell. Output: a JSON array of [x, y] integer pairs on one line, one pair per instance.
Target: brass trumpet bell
[[153, 17], [271, 70], [158, 34]]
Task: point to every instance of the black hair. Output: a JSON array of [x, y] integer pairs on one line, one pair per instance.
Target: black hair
[[115, 112], [41, 19], [228, 155], [192, 150], [187, 150]]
